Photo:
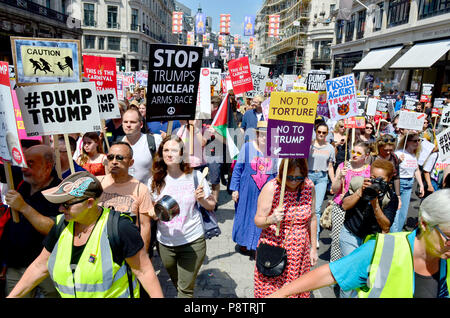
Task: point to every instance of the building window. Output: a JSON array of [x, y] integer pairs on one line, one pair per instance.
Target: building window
[[89, 14], [112, 17], [429, 8], [134, 19], [360, 25], [378, 17], [339, 31], [101, 43], [89, 41], [113, 43], [398, 12], [350, 29], [134, 45]]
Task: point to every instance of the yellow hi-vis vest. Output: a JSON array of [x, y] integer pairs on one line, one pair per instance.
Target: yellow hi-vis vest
[[96, 275], [391, 272]]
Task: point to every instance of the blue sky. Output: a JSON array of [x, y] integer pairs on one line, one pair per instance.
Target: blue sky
[[237, 8]]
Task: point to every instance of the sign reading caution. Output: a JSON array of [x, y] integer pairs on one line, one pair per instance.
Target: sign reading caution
[[291, 123]]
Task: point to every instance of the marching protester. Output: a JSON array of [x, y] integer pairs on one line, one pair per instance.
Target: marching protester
[[252, 171], [21, 242], [252, 117], [81, 229], [92, 158], [114, 129], [339, 131], [346, 171], [181, 240], [193, 128], [64, 158], [408, 151], [320, 164], [368, 133], [297, 230], [409, 261]]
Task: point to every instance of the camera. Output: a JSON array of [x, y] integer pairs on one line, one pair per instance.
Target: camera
[[377, 189]]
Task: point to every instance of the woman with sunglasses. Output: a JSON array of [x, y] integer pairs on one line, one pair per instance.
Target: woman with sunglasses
[[417, 265], [368, 133], [320, 163], [181, 240], [408, 151], [297, 225], [93, 159], [339, 131], [344, 174], [252, 171]]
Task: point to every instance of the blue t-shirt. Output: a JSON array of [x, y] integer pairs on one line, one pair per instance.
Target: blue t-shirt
[[155, 127], [352, 271], [76, 167]]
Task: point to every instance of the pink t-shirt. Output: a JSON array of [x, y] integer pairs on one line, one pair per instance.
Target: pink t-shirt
[[348, 177]]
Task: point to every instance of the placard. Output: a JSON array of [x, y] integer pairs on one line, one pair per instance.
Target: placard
[[290, 125], [241, 77], [411, 120], [203, 110], [426, 148], [341, 97], [108, 105], [316, 80], [101, 70], [10, 147], [142, 78], [445, 118], [215, 79], [411, 103], [371, 107], [59, 108], [362, 101], [443, 141], [355, 122], [260, 75], [40, 60], [174, 75]]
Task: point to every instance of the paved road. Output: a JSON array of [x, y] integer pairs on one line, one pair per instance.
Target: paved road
[[228, 274]]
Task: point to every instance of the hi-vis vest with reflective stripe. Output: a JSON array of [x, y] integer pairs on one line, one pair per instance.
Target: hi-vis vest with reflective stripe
[[391, 272], [96, 275]]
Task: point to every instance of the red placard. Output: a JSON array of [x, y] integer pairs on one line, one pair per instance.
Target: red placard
[[101, 70], [241, 78]]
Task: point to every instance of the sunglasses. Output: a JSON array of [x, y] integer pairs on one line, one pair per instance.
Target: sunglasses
[[67, 205], [414, 140], [321, 132], [295, 179], [446, 238], [354, 153], [388, 139], [111, 157]]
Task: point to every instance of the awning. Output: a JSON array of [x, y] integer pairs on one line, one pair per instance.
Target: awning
[[376, 59], [422, 55]]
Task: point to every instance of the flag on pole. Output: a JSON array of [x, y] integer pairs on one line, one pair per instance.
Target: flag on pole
[[223, 122]]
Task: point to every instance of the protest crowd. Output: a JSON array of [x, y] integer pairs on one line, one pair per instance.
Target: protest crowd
[[87, 210]]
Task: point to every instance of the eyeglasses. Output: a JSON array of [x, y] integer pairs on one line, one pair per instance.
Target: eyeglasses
[[414, 140], [111, 157], [67, 205], [296, 179], [369, 128], [354, 153], [388, 139], [446, 238]]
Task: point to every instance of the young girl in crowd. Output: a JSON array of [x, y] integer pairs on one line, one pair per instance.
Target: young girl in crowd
[[93, 159]]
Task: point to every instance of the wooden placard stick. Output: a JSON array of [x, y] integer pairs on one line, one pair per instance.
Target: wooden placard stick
[[69, 153], [57, 155], [10, 181], [406, 140], [169, 128], [378, 128], [283, 186]]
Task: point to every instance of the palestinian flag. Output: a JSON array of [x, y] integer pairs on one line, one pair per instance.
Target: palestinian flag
[[223, 122]]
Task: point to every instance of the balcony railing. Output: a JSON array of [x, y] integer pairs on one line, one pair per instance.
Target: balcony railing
[[38, 9], [113, 25], [322, 55]]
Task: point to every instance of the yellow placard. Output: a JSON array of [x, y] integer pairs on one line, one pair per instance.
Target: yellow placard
[[47, 61], [293, 107]]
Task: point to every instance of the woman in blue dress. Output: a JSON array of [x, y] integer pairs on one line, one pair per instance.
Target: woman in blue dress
[[251, 172]]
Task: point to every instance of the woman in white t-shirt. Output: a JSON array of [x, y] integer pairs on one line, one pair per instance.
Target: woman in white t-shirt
[[409, 168], [182, 245]]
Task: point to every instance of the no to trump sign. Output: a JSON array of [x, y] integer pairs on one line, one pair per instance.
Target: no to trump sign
[[174, 73], [290, 125], [59, 108]]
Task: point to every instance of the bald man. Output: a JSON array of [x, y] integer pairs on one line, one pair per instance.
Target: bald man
[[21, 242]]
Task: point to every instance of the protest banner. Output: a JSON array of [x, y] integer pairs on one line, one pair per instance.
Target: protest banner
[[203, 109], [445, 118], [142, 78], [427, 91], [241, 77], [288, 82], [316, 80], [341, 97], [426, 148], [108, 106], [443, 141], [174, 75], [411, 103], [59, 108], [215, 79], [40, 60], [322, 106], [290, 124], [120, 94], [355, 122], [362, 101], [411, 120], [371, 107], [260, 75], [101, 70], [265, 105]]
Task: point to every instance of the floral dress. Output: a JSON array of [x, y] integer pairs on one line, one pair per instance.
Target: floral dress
[[298, 242]]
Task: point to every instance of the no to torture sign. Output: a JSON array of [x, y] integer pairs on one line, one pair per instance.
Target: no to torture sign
[[173, 77], [59, 108], [290, 125]]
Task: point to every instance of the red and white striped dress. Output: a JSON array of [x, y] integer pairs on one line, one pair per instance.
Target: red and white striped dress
[[297, 244]]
